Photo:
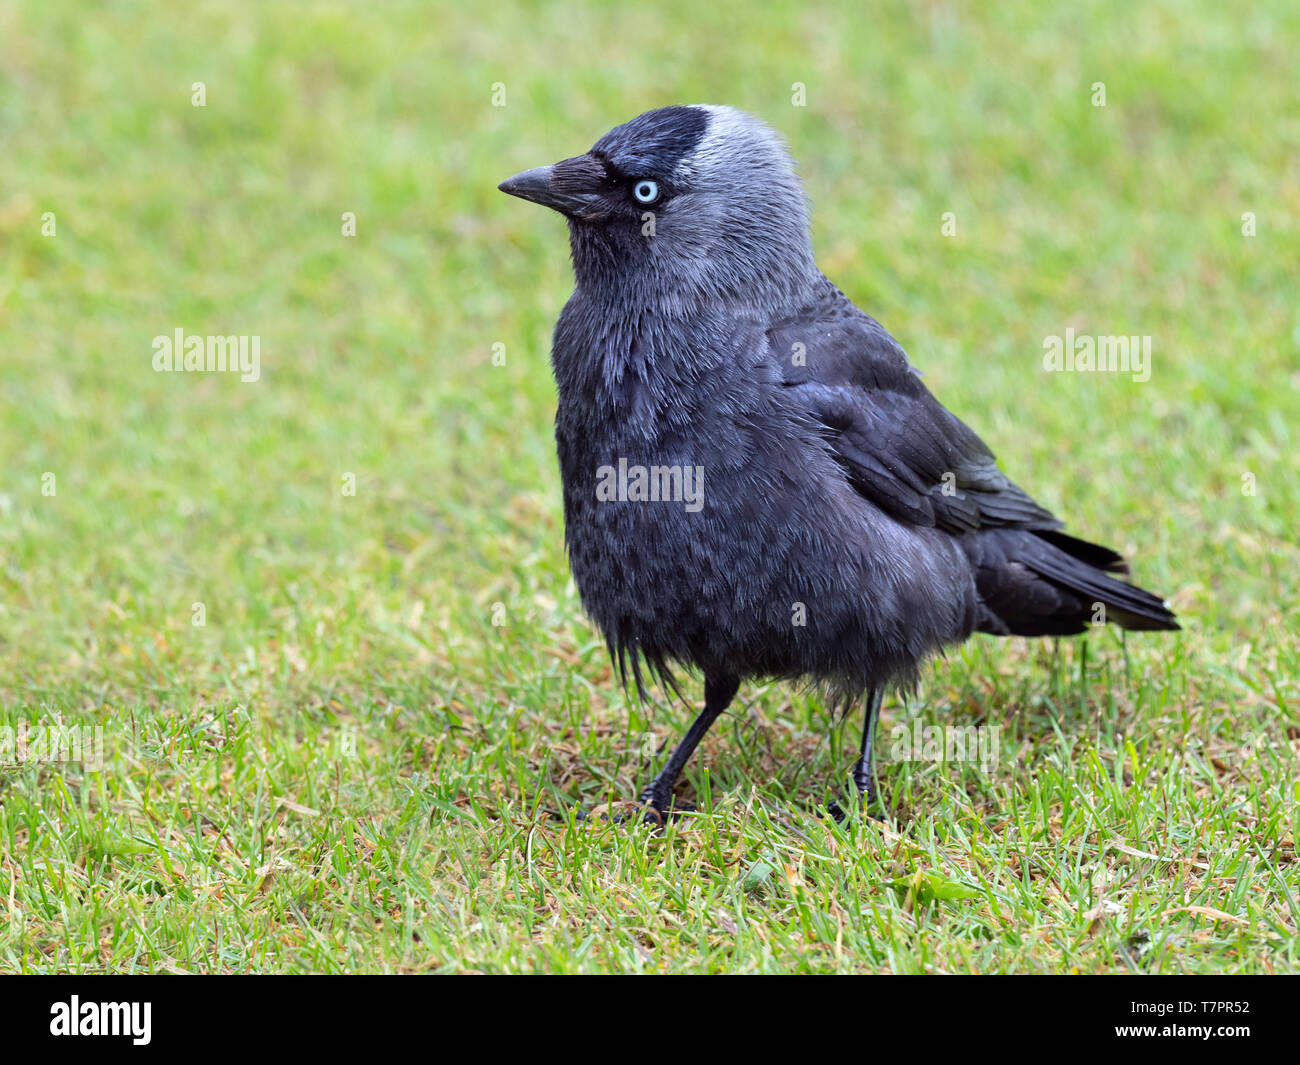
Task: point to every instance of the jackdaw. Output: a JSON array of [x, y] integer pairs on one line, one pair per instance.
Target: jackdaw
[[756, 482]]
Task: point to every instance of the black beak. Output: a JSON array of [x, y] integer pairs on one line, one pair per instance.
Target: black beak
[[568, 187]]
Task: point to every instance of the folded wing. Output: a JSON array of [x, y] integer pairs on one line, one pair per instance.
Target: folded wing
[[903, 451]]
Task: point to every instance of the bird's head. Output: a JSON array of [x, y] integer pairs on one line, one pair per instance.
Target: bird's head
[[679, 205]]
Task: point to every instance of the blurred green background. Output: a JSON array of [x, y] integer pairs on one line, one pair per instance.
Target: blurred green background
[[409, 664]]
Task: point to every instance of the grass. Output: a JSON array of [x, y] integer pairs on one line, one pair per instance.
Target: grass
[[349, 764]]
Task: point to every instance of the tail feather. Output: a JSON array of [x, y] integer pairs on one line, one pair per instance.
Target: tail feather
[[1045, 582], [1126, 604], [1093, 554]]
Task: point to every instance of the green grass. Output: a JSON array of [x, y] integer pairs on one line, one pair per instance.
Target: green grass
[[349, 765]]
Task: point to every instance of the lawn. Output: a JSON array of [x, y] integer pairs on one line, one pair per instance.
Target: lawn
[[350, 705]]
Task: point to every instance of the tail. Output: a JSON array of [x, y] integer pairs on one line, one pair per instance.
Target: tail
[[1044, 583]]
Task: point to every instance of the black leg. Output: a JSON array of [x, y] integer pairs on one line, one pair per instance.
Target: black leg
[[863, 777], [864, 769], [718, 693]]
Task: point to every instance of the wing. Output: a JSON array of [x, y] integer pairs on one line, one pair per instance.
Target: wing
[[898, 445]]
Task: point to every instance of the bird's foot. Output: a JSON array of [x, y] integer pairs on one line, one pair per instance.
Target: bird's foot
[[658, 807], [861, 800], [647, 810], [862, 809], [656, 816]]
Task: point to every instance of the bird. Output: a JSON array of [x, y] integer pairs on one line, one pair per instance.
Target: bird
[[757, 484]]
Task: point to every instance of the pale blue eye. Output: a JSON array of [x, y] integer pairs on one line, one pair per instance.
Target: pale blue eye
[[646, 191]]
